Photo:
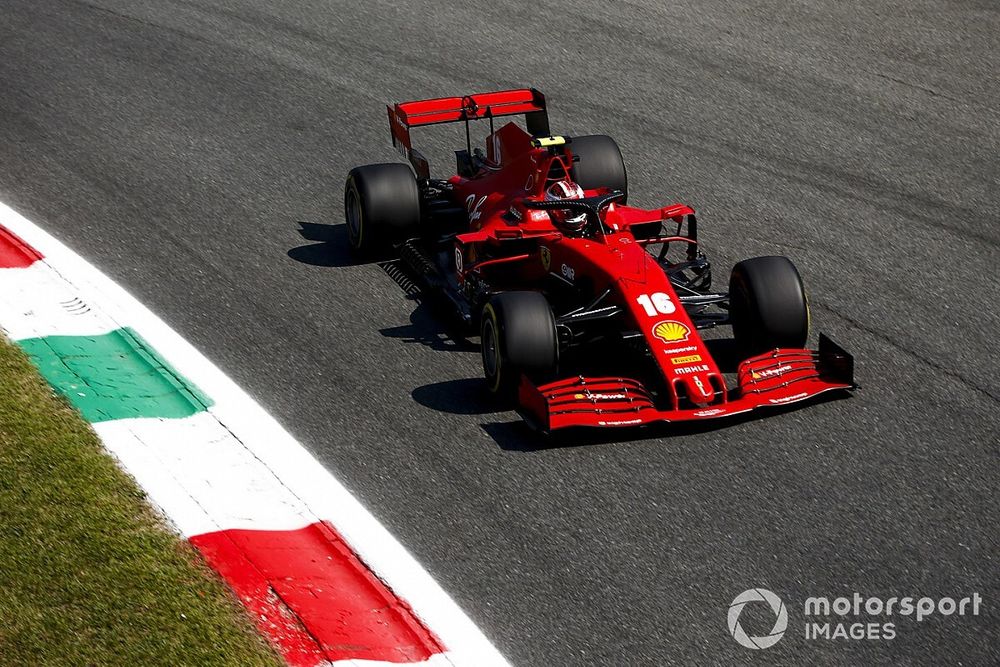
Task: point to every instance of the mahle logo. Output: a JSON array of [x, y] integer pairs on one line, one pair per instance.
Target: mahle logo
[[780, 621]]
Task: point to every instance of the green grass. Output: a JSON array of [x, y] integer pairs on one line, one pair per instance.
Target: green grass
[[88, 573]]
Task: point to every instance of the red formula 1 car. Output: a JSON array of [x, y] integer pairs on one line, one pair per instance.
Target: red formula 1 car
[[586, 317]]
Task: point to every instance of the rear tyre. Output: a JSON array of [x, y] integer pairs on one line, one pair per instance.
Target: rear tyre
[[767, 305], [381, 206], [518, 335], [600, 164]]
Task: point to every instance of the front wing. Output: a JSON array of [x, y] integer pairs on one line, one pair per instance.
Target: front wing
[[774, 379]]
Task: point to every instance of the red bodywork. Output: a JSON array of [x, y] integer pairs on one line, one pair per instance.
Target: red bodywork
[[516, 170]]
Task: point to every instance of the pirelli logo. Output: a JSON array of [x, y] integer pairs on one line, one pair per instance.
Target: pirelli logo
[[690, 359]]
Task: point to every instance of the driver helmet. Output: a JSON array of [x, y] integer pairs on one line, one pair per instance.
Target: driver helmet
[[570, 220]]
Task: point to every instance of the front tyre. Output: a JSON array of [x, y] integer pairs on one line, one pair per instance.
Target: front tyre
[[767, 305], [518, 335], [381, 206]]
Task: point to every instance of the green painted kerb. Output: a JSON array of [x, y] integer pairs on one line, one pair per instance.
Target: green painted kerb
[[116, 375]]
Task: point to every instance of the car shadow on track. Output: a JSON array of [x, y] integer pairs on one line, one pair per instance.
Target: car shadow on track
[[426, 328], [467, 396], [431, 322], [330, 247]]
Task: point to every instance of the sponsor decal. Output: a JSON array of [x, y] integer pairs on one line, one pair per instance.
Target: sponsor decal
[[546, 257], [568, 272], [788, 399], [689, 359], [688, 370], [514, 213], [657, 302], [878, 618], [619, 422], [606, 397], [709, 413], [474, 206], [497, 159], [397, 141], [681, 350], [770, 372], [458, 260], [671, 331], [842, 619]]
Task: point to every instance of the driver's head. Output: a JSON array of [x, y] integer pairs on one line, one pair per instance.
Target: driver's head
[[569, 220]]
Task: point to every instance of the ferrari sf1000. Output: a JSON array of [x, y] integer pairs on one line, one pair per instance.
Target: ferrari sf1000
[[589, 310]]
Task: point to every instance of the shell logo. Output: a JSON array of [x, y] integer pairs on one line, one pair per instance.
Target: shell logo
[[670, 331]]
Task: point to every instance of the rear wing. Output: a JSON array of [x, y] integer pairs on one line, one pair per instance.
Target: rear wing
[[523, 101]]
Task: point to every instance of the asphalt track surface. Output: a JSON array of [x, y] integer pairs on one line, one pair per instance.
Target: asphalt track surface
[[196, 151]]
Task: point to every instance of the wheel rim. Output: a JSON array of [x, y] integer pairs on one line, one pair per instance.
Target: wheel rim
[[491, 351], [354, 216]]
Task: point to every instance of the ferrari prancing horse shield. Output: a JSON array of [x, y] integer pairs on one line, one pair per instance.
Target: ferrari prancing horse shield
[[546, 257]]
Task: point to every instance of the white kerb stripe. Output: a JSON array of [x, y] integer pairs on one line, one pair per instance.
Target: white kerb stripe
[[201, 476], [36, 302]]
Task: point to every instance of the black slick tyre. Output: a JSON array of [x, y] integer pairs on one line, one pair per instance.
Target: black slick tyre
[[768, 305], [599, 164], [381, 206], [518, 335]]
